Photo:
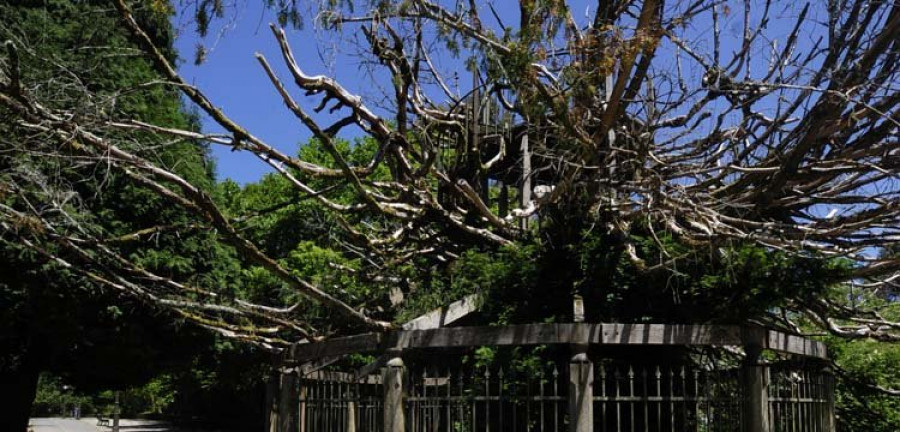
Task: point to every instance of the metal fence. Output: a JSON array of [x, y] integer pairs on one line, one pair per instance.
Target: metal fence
[[486, 400], [335, 401], [666, 399], [799, 399], [626, 398]]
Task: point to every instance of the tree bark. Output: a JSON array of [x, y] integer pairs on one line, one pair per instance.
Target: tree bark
[[18, 384]]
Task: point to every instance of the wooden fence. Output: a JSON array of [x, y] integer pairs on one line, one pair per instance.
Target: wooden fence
[[582, 394]]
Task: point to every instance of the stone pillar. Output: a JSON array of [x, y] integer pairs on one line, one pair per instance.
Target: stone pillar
[[756, 391], [394, 388], [581, 392]]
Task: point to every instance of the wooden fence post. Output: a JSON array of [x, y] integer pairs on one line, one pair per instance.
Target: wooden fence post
[[756, 383], [394, 387], [581, 393], [287, 403], [302, 395], [271, 404], [581, 378], [282, 394]]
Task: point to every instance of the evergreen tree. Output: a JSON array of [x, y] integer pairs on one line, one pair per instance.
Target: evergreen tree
[[57, 320]]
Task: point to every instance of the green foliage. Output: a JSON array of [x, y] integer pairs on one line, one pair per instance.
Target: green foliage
[[52, 319], [53, 398], [865, 364]]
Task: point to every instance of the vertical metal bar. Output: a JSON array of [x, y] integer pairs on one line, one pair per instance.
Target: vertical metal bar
[[427, 401], [528, 401], [336, 401], [339, 405], [327, 401], [646, 395], [541, 400], [795, 406], [555, 395], [616, 377], [320, 397], [631, 405], [501, 426], [339, 402], [462, 415], [684, 397], [804, 415], [671, 397], [323, 402], [310, 403], [487, 399], [358, 405], [449, 417], [702, 399], [659, 400], [514, 400], [810, 405], [772, 412], [603, 398], [776, 404], [347, 407], [707, 393], [820, 393], [474, 403]]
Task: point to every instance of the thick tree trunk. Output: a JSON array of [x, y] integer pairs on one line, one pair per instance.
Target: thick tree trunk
[[18, 386]]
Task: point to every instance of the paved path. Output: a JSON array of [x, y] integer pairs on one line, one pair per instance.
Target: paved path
[[62, 425], [89, 424]]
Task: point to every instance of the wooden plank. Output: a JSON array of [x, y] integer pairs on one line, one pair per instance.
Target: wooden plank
[[667, 334], [534, 334], [342, 377], [362, 343], [317, 364], [442, 316], [603, 334], [433, 319], [527, 334], [792, 344]]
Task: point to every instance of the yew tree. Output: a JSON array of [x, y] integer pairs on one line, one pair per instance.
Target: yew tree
[[671, 160]]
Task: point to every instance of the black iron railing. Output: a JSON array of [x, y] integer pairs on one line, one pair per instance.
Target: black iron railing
[[334, 401]]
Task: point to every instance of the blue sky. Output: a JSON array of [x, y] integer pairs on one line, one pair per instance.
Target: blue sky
[[233, 79]]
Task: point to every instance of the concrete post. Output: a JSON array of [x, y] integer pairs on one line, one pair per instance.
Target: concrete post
[[581, 392], [394, 387], [756, 387], [302, 394], [351, 416], [116, 409]]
